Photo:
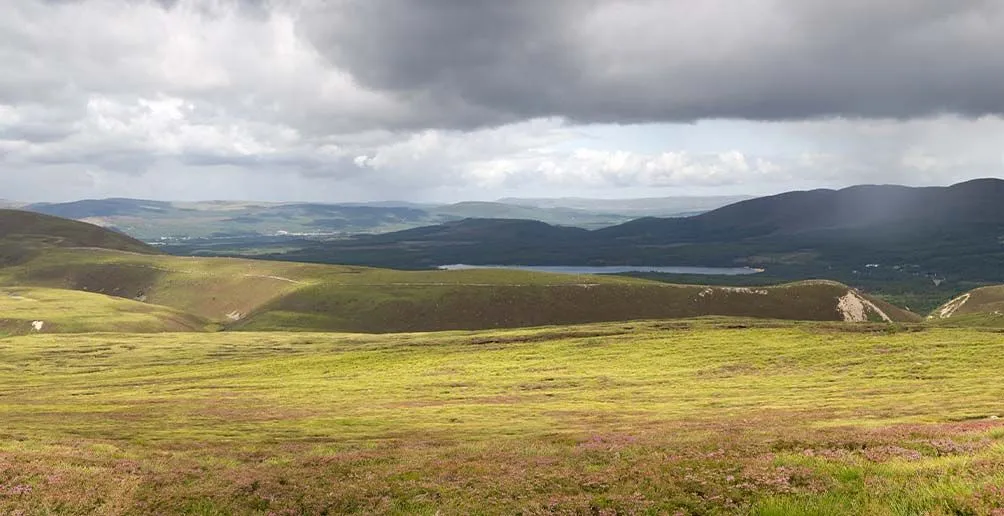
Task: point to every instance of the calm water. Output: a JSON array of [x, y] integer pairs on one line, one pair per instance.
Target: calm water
[[613, 269]]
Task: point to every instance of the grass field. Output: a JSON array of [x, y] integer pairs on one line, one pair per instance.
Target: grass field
[[70, 311], [711, 416]]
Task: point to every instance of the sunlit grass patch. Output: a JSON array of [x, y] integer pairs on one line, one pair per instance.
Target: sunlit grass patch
[[44, 310], [692, 417]]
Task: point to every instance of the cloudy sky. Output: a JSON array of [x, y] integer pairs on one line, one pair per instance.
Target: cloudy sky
[[335, 100]]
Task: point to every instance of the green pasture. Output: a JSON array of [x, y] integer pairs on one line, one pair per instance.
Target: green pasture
[[709, 416]]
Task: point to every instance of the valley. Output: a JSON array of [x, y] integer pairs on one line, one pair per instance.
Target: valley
[[514, 258], [136, 382], [219, 221]]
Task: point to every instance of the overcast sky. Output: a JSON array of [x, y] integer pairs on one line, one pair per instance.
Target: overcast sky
[[337, 100]]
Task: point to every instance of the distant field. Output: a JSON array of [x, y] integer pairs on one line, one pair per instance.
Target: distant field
[[154, 220], [712, 416]]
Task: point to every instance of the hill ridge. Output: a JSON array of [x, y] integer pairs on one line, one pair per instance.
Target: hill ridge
[[982, 306], [938, 231], [23, 234], [243, 294]]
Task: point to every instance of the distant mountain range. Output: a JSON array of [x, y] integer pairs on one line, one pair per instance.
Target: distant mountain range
[[56, 276], [948, 230], [153, 220], [644, 207], [951, 236]]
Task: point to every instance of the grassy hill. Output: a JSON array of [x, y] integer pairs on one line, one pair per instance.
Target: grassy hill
[[979, 307], [864, 206], [915, 247], [42, 310], [23, 234], [639, 418], [266, 295], [710, 415], [488, 299], [952, 233]]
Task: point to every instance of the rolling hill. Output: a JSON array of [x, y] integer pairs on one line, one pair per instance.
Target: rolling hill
[[153, 220], [23, 234], [978, 307], [265, 295], [640, 207], [952, 232], [866, 206], [245, 294], [42, 310], [480, 302]]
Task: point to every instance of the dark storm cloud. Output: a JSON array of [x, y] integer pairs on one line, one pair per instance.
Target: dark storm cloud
[[359, 99], [483, 62], [466, 60]]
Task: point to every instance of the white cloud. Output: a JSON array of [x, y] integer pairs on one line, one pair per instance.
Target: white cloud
[[213, 99]]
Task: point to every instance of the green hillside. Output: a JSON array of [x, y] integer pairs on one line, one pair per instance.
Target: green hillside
[[266, 295], [420, 302], [950, 234], [41, 310], [23, 234], [245, 294], [640, 418], [979, 307]]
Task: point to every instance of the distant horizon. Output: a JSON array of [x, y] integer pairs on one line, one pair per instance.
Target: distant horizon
[[508, 199]]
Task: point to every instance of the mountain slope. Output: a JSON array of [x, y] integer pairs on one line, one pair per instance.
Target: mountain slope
[[269, 295], [952, 232], [978, 307], [42, 310], [93, 208], [23, 234], [529, 299], [979, 201], [638, 207]]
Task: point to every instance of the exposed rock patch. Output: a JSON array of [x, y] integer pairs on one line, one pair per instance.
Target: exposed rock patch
[[855, 308], [952, 306], [732, 290]]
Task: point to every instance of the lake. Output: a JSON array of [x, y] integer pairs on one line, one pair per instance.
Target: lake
[[612, 269]]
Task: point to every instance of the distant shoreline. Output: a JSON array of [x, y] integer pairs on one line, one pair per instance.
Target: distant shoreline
[[614, 269]]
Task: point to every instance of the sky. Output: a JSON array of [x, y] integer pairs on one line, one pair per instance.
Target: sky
[[448, 100]]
